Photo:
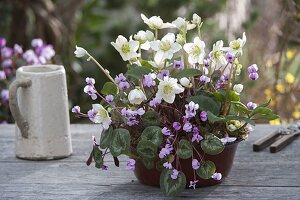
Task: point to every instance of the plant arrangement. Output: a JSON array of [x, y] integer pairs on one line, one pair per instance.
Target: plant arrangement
[[176, 100], [13, 57]]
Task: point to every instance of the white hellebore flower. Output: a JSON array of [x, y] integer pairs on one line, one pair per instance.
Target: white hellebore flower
[[185, 82], [238, 88], [136, 96], [217, 54], [102, 116], [158, 65], [165, 48], [80, 52], [236, 46], [195, 51], [144, 37], [182, 24], [168, 88], [127, 49], [155, 22], [196, 19]]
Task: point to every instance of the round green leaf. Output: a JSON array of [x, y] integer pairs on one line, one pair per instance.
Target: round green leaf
[[206, 103], [120, 143], [110, 88], [106, 138], [185, 149], [190, 72], [206, 170], [153, 134], [146, 149], [212, 145], [172, 187], [151, 118], [137, 72]]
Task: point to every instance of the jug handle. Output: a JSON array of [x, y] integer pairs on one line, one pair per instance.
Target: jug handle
[[14, 107]]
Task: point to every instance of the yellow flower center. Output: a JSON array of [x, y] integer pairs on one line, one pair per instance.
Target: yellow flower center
[[235, 45], [196, 50], [167, 89], [125, 48], [102, 113], [165, 45]]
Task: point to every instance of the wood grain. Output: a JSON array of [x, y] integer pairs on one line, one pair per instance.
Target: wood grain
[[255, 175]]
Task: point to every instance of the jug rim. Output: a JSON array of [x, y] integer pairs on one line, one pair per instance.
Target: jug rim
[[40, 69]]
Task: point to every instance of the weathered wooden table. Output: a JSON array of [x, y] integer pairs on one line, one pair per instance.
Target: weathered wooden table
[[254, 175]]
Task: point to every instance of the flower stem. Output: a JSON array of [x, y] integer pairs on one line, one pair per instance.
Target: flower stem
[[105, 71]]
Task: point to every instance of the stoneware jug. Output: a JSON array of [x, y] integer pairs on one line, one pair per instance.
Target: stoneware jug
[[39, 104]]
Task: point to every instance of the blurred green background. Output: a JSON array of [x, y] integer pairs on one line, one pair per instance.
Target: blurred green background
[[272, 28]]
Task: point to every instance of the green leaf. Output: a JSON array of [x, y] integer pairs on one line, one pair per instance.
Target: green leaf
[[205, 103], [149, 164], [185, 149], [147, 150], [138, 72], [261, 110], [110, 88], [151, 118], [206, 170], [212, 145], [153, 134], [231, 95], [97, 155], [159, 164], [213, 118], [190, 72], [268, 117], [172, 187], [240, 107], [240, 118], [106, 138], [120, 143]]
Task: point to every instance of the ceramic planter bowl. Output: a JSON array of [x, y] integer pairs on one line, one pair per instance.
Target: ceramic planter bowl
[[223, 162]]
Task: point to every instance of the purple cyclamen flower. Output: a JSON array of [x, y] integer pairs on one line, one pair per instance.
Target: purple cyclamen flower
[[89, 81], [203, 116], [204, 70], [37, 42], [163, 74], [252, 69], [109, 98], [140, 111], [195, 164], [229, 57], [204, 79], [131, 164], [167, 165], [47, 52], [30, 57], [76, 109], [154, 102], [124, 85], [2, 75], [104, 167], [166, 131], [120, 78], [191, 109], [90, 90], [210, 54], [2, 42], [6, 52], [251, 105], [92, 114], [187, 127], [131, 121], [217, 176], [178, 64], [228, 139], [253, 76], [176, 126], [4, 95], [7, 63], [197, 137], [165, 151], [148, 81], [206, 62], [174, 174], [193, 184], [18, 49]]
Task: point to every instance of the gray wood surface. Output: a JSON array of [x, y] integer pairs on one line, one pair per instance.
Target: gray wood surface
[[255, 175]]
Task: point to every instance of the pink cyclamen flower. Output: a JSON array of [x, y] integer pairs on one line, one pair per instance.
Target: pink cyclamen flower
[[217, 176], [2, 42], [4, 95], [167, 165], [37, 42], [18, 49], [174, 174], [2, 75], [76, 109], [195, 164], [193, 184], [130, 164]]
